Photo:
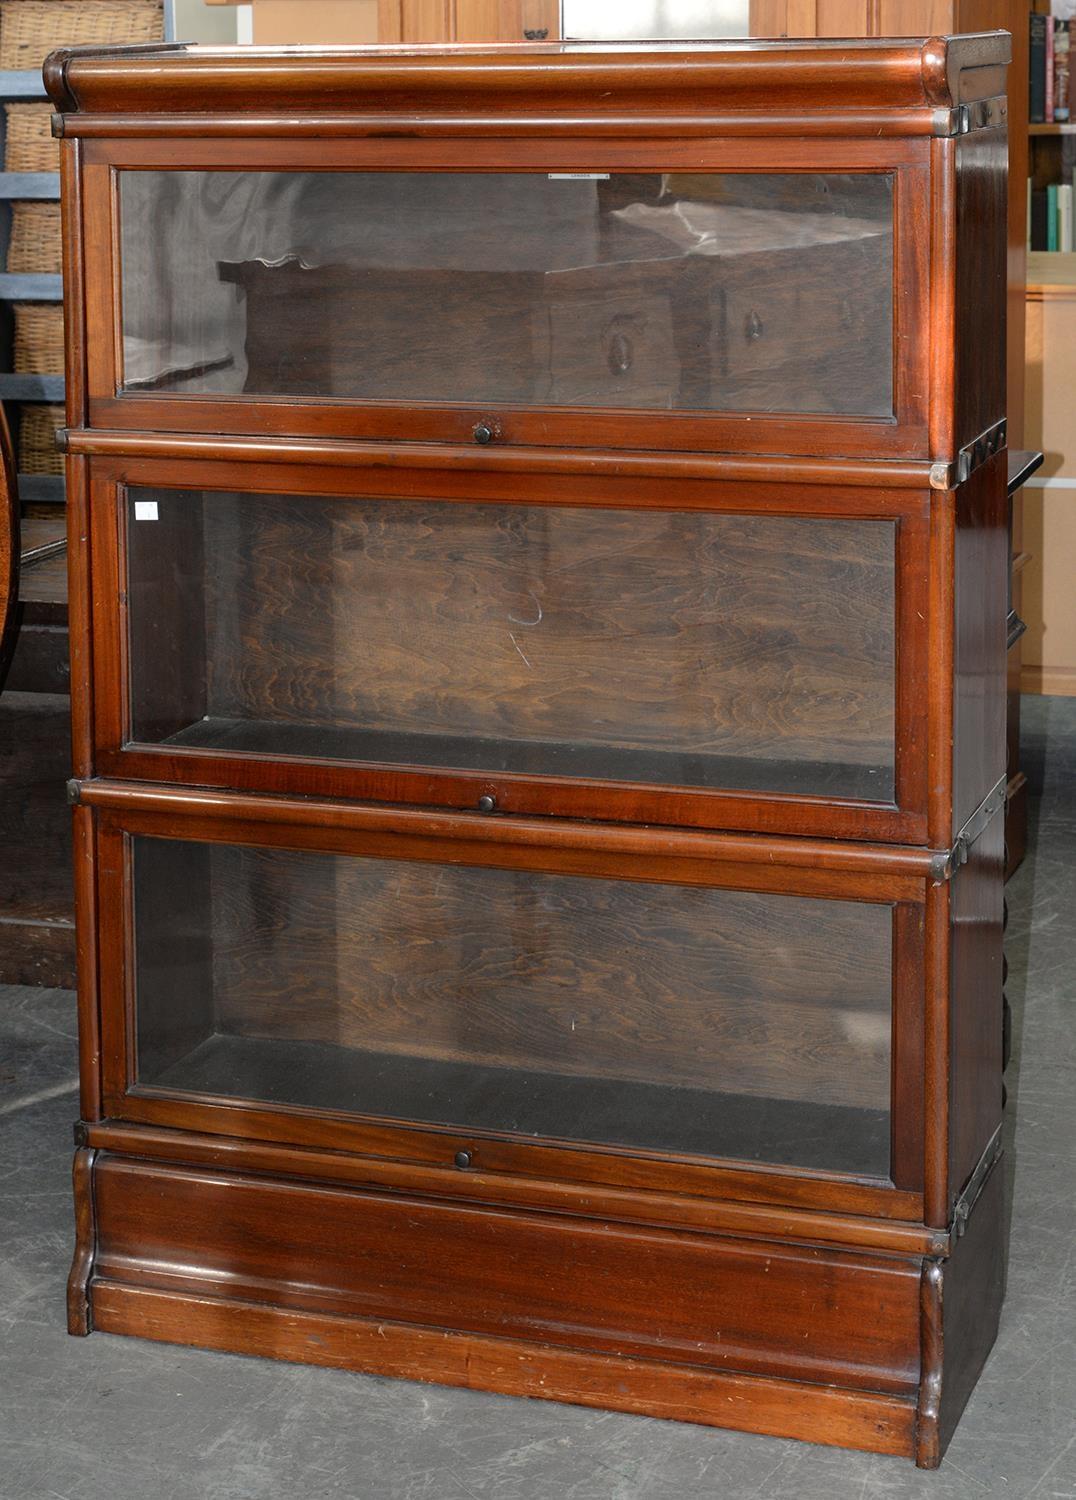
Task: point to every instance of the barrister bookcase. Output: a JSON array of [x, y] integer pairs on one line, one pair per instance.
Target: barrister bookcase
[[538, 594]]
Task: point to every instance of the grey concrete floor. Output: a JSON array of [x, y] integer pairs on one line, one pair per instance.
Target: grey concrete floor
[[106, 1418]]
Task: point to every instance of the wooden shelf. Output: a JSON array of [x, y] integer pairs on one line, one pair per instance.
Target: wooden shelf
[[42, 489], [1051, 273], [44, 579], [1063, 127], [21, 83], [41, 186], [18, 387], [31, 286]]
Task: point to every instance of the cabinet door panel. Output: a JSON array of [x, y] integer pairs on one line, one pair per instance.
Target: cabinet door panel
[[673, 1019], [437, 287], [694, 649]]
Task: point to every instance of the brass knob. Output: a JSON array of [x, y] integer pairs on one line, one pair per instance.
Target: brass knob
[[483, 433], [620, 354]]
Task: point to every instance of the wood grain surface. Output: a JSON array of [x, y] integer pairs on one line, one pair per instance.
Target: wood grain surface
[[731, 991], [770, 638]]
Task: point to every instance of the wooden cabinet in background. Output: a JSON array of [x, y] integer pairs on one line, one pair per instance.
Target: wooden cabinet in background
[[538, 581], [412, 22]]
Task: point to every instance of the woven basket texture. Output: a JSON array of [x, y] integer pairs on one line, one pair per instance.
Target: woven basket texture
[[37, 440], [31, 29], [28, 140], [39, 338], [35, 243]]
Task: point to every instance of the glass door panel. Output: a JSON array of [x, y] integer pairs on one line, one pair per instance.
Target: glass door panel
[[676, 1019], [702, 292], [676, 648]]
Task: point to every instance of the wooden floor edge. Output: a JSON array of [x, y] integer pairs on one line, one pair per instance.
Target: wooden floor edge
[[873, 1422]]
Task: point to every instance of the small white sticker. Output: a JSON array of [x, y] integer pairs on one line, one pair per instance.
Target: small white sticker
[[578, 176], [145, 510]]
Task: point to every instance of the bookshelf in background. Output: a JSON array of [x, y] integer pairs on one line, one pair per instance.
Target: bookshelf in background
[[1046, 541], [1051, 133]]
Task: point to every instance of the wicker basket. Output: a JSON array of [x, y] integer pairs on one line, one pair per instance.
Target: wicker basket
[[28, 142], [39, 338], [30, 29], [37, 440], [35, 243]]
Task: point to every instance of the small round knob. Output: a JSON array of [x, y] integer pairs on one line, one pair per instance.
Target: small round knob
[[483, 433], [463, 1158], [753, 327], [487, 804], [620, 355]]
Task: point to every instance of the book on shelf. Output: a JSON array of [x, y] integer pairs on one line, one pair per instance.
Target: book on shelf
[[1062, 77], [1050, 216], [1037, 76], [1064, 217], [1048, 70], [1050, 83]]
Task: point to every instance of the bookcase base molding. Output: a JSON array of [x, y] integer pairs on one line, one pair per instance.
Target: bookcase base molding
[[861, 1350]]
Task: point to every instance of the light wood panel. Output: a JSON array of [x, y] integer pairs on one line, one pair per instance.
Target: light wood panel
[[362, 22], [1049, 522]]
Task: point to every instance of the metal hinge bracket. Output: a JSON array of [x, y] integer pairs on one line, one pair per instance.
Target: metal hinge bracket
[[946, 862], [962, 119], [973, 1187], [946, 476]]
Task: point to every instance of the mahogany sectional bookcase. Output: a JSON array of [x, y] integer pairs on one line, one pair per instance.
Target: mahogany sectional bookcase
[[538, 552]]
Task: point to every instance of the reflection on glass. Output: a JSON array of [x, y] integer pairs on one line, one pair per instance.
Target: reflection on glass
[[677, 1019], [672, 647], [704, 291]]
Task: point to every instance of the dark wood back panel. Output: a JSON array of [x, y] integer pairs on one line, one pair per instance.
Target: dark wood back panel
[[755, 993], [981, 269], [164, 600], [980, 613], [975, 1005], [756, 636], [172, 936]]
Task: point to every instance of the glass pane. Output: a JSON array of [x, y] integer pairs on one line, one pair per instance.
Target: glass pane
[[671, 647], [721, 1023], [703, 291]]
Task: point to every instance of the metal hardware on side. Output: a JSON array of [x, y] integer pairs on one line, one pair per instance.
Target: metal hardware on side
[[945, 863], [962, 119], [1015, 629], [80, 1131], [53, 549], [946, 476], [976, 453], [973, 1187], [74, 791]]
